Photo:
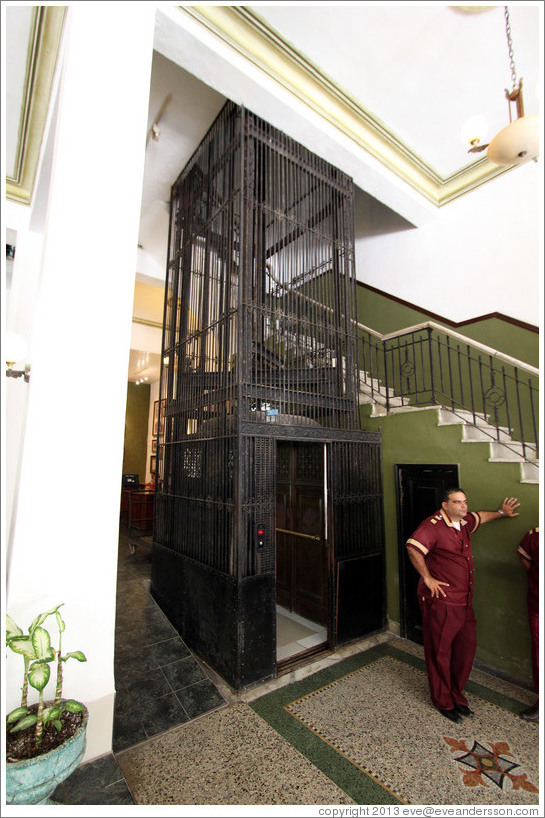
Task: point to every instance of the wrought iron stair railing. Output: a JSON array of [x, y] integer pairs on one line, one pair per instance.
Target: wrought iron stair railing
[[429, 365]]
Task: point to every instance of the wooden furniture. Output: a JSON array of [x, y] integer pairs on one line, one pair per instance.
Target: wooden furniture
[[137, 514]]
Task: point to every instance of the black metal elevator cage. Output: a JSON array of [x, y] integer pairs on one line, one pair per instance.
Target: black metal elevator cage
[[259, 343]]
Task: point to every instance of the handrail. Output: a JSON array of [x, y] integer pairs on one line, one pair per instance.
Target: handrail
[[299, 534], [426, 365], [453, 334], [425, 325]]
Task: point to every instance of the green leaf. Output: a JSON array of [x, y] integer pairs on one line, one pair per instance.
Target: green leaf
[[42, 617], [57, 724], [73, 706], [24, 723], [76, 655], [12, 629], [60, 622], [23, 645], [50, 714], [16, 714], [41, 643], [38, 675]]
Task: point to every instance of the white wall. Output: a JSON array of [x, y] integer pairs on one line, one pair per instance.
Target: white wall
[[17, 311], [64, 537], [481, 253]]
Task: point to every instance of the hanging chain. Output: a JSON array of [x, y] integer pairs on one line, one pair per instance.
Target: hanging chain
[[510, 44]]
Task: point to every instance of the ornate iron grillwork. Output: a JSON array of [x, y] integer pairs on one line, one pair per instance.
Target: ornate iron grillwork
[[355, 495], [259, 333], [429, 365]]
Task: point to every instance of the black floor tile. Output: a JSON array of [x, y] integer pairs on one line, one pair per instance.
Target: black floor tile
[[139, 617], [129, 643], [155, 632], [183, 673], [133, 593], [117, 793], [130, 661], [128, 730], [96, 782], [149, 686], [141, 565], [199, 698], [168, 651], [162, 714]]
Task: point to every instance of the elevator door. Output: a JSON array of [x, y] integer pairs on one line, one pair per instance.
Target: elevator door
[[301, 547]]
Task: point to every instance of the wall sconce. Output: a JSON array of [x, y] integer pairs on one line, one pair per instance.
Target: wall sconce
[[15, 352], [474, 132], [154, 132]]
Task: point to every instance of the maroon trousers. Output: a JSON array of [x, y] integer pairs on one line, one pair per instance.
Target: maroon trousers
[[450, 641], [533, 620]]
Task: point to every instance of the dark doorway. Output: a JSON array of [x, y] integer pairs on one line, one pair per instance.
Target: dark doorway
[[419, 490], [302, 565]]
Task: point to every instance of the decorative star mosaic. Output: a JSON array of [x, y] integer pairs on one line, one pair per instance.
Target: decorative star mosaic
[[489, 764]]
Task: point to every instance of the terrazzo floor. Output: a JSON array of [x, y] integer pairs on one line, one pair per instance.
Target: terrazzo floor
[[361, 731], [354, 727]]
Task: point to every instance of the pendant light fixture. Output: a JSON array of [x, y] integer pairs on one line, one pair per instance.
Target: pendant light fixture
[[518, 142]]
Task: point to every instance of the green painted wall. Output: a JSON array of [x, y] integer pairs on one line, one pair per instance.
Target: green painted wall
[[383, 314], [136, 430], [500, 581]]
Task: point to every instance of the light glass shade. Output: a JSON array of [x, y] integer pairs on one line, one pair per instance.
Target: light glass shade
[[516, 143], [474, 9]]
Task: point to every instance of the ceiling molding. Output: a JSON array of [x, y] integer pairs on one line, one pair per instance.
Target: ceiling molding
[[251, 37], [43, 48]]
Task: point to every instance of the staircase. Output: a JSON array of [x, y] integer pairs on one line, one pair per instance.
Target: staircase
[[493, 397], [473, 428], [505, 450]]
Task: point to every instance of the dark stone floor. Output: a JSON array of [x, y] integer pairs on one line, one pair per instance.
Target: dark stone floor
[[159, 683]]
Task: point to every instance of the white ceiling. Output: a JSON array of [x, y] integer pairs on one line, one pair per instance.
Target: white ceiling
[[419, 70]]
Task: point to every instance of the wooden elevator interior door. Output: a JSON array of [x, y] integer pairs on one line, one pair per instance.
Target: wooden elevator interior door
[[301, 547]]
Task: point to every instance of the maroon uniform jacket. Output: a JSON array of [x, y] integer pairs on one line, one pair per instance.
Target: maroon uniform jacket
[[529, 549], [448, 555]]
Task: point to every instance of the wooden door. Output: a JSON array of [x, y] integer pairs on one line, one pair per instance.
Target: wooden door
[[301, 548], [419, 490]]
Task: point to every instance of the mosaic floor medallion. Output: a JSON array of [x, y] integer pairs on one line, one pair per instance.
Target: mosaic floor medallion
[[488, 764], [380, 718]]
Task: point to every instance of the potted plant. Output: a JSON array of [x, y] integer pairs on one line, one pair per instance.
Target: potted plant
[[45, 741]]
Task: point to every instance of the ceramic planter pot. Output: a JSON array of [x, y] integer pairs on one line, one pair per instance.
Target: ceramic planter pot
[[34, 780]]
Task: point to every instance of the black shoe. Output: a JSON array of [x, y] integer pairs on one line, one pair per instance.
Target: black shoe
[[463, 709], [451, 714]]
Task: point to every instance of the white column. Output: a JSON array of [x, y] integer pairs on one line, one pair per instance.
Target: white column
[[66, 523]]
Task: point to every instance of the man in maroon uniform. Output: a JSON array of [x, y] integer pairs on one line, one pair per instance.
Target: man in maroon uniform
[[440, 550], [528, 552]]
